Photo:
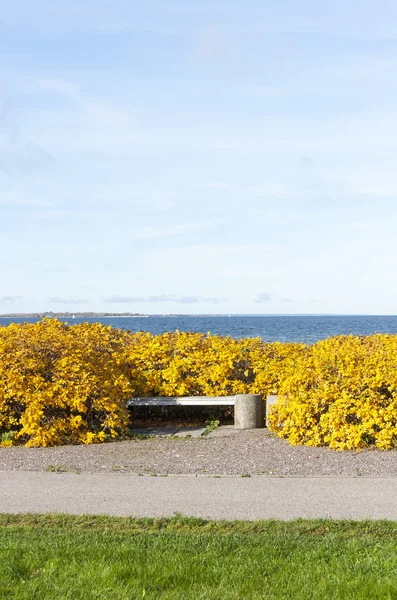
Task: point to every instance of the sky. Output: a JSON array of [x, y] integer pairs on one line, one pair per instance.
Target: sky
[[220, 156]]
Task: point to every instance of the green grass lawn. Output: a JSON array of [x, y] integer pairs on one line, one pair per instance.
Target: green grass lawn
[[57, 556]]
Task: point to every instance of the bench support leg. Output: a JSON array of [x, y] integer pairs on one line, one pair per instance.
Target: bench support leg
[[248, 411], [270, 401]]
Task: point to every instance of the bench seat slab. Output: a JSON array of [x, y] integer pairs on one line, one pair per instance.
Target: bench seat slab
[[183, 401]]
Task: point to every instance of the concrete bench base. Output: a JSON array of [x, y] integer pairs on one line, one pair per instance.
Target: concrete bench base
[[249, 410]]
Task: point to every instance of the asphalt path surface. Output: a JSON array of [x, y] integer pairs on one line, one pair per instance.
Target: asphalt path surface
[[228, 498]]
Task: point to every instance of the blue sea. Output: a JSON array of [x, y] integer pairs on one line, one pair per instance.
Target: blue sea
[[271, 328]]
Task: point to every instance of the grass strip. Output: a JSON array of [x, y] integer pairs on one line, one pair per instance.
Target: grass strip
[[196, 525], [64, 556]]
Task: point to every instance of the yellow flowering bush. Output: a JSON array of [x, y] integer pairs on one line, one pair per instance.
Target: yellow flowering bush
[[182, 364], [61, 384], [341, 393]]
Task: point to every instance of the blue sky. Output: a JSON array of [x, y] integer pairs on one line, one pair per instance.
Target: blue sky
[[212, 156]]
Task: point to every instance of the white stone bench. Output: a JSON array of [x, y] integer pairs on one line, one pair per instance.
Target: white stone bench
[[248, 408]]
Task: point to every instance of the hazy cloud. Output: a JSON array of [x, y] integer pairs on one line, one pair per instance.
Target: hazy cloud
[[151, 232], [220, 49], [8, 299], [305, 162], [263, 297], [121, 299], [19, 154], [213, 300], [57, 269], [163, 298], [69, 300]]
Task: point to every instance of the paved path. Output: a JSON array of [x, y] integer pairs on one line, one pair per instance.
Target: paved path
[[207, 497]]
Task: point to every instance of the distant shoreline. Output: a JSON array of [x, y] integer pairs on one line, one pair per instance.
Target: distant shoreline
[[93, 315], [98, 315], [71, 316]]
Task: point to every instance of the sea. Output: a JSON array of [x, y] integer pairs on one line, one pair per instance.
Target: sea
[[307, 329]]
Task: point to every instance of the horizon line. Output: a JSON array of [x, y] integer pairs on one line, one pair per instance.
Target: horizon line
[[137, 315]]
